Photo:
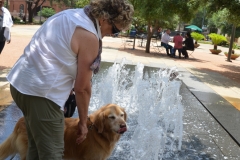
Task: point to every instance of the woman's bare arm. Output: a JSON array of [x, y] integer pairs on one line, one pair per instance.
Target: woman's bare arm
[[85, 45]]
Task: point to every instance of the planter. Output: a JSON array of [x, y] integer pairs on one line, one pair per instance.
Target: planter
[[215, 51], [196, 45], [233, 56]]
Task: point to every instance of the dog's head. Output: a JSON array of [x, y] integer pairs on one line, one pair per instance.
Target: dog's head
[[111, 118]]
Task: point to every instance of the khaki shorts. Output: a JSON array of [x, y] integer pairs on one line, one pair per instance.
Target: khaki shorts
[[45, 126]]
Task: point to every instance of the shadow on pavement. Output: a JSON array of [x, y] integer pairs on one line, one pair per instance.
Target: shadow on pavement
[[225, 78]]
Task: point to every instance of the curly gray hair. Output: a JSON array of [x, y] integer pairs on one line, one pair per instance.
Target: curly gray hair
[[117, 11]]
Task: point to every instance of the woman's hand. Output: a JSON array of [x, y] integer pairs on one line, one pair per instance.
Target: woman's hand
[[82, 133]]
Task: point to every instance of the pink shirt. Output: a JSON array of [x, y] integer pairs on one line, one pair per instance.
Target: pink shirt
[[177, 41]]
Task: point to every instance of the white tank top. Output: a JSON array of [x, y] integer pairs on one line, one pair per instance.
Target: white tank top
[[48, 66]]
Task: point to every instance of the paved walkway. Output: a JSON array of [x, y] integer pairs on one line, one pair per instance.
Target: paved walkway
[[213, 81]]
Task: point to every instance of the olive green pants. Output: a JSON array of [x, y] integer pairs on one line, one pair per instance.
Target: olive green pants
[[45, 126]]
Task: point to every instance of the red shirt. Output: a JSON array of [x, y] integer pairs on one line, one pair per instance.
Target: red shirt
[[178, 40]]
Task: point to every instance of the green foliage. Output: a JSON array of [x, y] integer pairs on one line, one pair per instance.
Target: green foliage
[[237, 32], [235, 46], [204, 42], [197, 36], [231, 9], [68, 3], [217, 39], [82, 3], [18, 20], [163, 13], [219, 18], [46, 12], [162, 10], [198, 19]]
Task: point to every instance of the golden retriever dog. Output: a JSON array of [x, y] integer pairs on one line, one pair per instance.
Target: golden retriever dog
[[105, 127]]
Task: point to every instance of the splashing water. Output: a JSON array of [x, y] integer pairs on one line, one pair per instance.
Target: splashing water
[[153, 104]]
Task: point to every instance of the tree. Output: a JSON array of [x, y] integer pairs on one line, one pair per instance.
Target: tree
[[31, 7], [163, 13], [82, 3], [46, 12], [199, 16], [68, 3], [232, 14]]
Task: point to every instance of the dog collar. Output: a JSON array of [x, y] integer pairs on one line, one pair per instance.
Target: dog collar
[[90, 127]]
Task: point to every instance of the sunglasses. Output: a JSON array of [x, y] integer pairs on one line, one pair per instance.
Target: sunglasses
[[114, 29]]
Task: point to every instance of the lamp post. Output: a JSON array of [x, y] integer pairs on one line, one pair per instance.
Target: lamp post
[[203, 18]]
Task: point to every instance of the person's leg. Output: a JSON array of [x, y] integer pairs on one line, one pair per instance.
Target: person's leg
[[173, 52], [32, 148], [46, 123], [165, 46], [186, 54], [2, 44], [170, 48], [179, 52], [32, 152], [48, 130], [184, 51]]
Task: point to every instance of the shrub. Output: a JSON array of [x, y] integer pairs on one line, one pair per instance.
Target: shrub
[[46, 12], [197, 36], [18, 20], [216, 39]]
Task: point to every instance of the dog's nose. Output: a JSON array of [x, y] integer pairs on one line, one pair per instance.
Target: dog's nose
[[123, 125], [122, 129]]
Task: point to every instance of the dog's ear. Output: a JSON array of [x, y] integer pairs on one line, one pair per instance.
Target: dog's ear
[[99, 122], [125, 114]]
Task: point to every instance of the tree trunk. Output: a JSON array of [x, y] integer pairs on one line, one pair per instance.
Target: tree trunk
[[179, 26], [215, 47], [30, 12], [31, 9], [149, 36], [231, 43]]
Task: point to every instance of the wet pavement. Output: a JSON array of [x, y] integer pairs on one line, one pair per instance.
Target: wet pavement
[[203, 137], [211, 121], [5, 96]]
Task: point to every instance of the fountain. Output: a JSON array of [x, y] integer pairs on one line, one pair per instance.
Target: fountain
[[153, 104], [151, 99]]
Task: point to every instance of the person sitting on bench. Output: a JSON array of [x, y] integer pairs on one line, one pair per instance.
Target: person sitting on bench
[[164, 42], [178, 41], [189, 45]]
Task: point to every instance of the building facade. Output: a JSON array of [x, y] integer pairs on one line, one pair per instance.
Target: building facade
[[18, 8]]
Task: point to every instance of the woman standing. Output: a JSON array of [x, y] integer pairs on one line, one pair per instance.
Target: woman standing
[[67, 47]]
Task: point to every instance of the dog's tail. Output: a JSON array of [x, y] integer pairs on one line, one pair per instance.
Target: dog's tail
[[7, 148]]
